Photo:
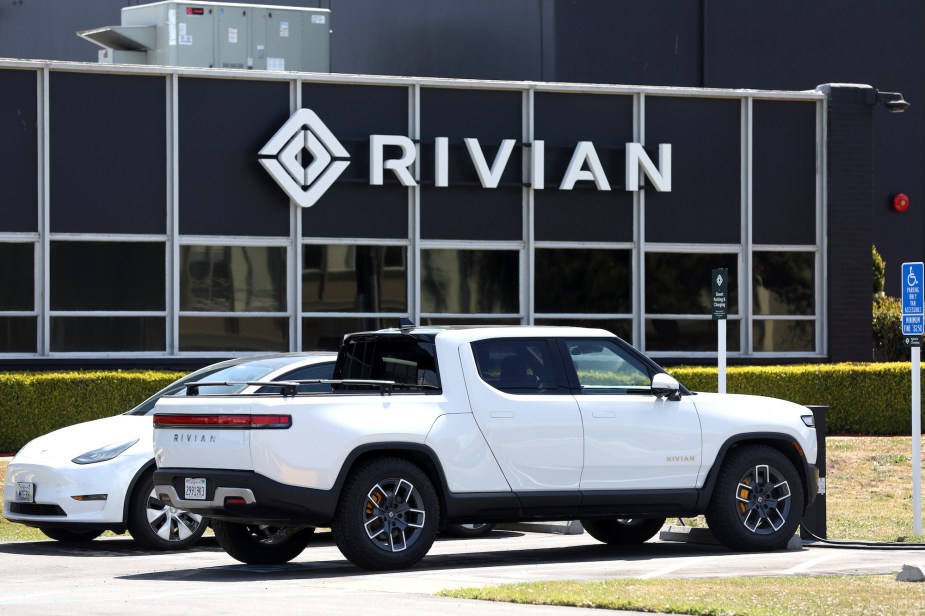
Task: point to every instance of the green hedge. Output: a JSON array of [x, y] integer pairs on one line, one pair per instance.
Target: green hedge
[[35, 403], [869, 398]]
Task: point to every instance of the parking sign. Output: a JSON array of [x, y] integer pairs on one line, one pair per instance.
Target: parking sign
[[913, 281]]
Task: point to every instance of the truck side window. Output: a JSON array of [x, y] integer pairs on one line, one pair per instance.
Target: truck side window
[[518, 366], [603, 367]]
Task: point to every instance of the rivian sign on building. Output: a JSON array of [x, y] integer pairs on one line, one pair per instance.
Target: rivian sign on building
[[443, 201], [305, 181]]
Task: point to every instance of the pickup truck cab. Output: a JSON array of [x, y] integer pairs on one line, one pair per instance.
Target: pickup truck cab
[[428, 426]]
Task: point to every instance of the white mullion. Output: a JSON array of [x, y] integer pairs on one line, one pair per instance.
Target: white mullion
[[694, 248], [230, 240], [528, 270], [637, 260], [43, 278], [745, 263], [471, 244], [822, 300], [414, 208], [173, 216], [354, 242], [294, 258]]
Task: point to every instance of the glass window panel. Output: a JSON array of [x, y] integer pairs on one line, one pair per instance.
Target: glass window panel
[[233, 278], [17, 275], [110, 334], [108, 276], [517, 366], [603, 367], [234, 334], [341, 278], [679, 283], [327, 333], [784, 283], [689, 335], [477, 281], [309, 373], [583, 280], [18, 334], [620, 327], [780, 336]]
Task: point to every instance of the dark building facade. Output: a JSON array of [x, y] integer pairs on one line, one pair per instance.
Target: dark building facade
[[143, 227]]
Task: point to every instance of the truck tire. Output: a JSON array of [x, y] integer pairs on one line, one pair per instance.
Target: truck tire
[[158, 526], [757, 501], [259, 544], [388, 515], [623, 531]]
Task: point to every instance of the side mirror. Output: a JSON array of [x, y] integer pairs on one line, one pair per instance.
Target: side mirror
[[665, 385]]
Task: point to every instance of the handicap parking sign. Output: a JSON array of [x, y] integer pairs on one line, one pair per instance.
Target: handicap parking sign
[[913, 282]]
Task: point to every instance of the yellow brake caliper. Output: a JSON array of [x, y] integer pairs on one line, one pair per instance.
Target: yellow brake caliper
[[377, 497], [743, 494]]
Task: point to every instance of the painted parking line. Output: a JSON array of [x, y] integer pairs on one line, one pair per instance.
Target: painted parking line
[[809, 564], [677, 566]]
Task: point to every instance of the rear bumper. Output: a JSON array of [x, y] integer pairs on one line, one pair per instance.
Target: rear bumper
[[247, 497]]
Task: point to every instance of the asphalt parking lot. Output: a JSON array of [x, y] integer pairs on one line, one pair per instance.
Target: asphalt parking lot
[[112, 576]]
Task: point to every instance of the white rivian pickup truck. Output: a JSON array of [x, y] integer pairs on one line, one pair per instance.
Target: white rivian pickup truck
[[428, 426]]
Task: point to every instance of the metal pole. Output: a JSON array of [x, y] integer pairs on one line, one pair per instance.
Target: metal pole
[[721, 352], [916, 441]]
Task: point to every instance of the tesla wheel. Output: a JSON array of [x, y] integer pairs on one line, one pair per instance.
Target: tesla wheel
[[156, 525], [468, 531], [261, 544], [757, 501], [388, 515], [623, 531], [71, 536]]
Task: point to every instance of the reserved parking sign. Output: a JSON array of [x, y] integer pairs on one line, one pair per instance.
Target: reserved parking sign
[[913, 275]]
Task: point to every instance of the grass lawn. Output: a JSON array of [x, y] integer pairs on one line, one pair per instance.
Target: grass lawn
[[791, 596]]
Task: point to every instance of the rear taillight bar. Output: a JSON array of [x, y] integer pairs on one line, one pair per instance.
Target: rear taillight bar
[[239, 422]]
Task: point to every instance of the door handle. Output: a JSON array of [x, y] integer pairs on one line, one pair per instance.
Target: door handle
[[502, 414], [603, 414]]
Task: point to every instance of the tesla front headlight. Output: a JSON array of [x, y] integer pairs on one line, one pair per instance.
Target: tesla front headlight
[[103, 453]]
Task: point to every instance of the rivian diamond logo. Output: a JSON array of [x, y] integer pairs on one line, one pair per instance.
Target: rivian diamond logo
[[304, 137]]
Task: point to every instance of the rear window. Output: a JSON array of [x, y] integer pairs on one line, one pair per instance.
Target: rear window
[[239, 372], [404, 360]]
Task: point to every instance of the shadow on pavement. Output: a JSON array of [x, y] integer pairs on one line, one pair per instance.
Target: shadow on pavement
[[118, 546], [435, 562]]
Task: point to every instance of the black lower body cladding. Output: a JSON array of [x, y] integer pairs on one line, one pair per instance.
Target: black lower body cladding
[[273, 502]]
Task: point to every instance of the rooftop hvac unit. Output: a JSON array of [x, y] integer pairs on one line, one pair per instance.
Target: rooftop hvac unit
[[218, 35]]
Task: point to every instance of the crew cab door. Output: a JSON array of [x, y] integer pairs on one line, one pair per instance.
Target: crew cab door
[[520, 400], [633, 440]]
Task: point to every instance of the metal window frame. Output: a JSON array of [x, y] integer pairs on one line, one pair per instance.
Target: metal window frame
[[526, 247]]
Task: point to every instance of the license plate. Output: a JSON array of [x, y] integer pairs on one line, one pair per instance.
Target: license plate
[[25, 492], [195, 488]]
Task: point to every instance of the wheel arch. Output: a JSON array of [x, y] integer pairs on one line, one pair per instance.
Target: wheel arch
[[784, 443], [418, 454], [146, 468]]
